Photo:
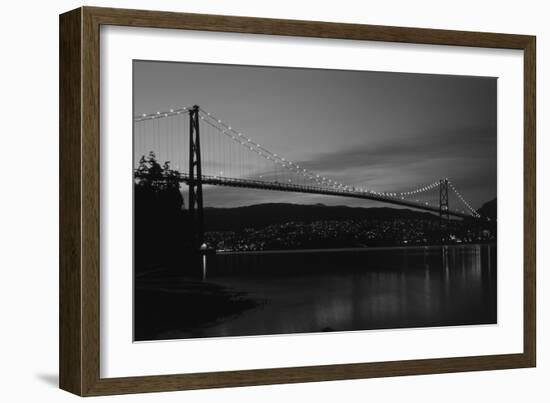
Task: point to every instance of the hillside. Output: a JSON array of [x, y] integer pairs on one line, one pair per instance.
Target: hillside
[[262, 215], [489, 209]]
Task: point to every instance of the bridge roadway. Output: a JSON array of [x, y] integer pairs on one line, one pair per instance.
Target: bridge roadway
[[292, 187]]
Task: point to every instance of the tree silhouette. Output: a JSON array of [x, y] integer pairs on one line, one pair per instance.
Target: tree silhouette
[[160, 221]]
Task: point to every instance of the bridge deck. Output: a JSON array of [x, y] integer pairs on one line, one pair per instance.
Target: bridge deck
[[296, 188]]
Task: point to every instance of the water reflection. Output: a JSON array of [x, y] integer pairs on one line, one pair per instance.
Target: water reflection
[[357, 290]]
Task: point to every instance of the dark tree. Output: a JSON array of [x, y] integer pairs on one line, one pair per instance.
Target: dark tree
[[160, 220]]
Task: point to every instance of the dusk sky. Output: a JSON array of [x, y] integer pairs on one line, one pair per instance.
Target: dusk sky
[[382, 131]]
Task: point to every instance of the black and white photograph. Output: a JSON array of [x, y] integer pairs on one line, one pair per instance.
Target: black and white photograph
[[277, 200]]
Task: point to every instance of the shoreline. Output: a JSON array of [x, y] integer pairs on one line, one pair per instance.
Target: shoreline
[[353, 249]]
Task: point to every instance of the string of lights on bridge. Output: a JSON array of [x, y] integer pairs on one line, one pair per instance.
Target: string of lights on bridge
[[159, 115], [291, 166], [470, 208], [268, 155], [421, 189]]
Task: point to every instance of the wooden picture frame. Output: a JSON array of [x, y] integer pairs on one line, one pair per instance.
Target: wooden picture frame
[[79, 201]]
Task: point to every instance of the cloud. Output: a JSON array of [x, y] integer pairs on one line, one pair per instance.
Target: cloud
[[470, 145]]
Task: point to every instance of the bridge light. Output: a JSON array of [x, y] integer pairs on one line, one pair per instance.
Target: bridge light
[[171, 110]]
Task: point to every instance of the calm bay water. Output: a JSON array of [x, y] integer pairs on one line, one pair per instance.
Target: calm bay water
[[343, 290]]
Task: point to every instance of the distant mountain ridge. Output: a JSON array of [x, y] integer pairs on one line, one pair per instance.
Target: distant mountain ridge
[[262, 215], [489, 209]]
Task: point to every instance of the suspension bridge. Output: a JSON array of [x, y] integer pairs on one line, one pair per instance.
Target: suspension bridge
[[203, 150]]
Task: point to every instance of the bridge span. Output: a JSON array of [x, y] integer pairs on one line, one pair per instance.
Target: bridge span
[[298, 188]]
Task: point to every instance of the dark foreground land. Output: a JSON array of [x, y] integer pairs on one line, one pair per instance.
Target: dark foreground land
[[165, 301]]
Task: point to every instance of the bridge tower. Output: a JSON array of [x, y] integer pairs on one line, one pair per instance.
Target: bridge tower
[[195, 205], [444, 209]]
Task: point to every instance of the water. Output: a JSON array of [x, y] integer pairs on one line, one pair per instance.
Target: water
[[343, 290]]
